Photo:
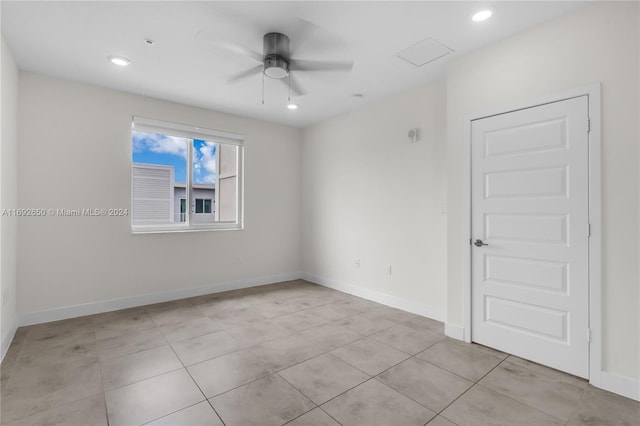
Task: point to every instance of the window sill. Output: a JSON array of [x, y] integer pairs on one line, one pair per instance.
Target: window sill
[[142, 229]]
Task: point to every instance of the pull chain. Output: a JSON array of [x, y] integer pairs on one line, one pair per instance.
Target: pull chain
[[263, 88], [289, 99]]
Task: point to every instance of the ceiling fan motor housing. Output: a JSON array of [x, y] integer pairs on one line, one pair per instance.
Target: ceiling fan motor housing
[[276, 55]]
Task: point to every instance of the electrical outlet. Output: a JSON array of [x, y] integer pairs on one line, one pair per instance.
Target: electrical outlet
[[358, 264], [388, 269]]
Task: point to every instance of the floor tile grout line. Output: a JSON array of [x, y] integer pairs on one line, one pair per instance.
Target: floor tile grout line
[[67, 402], [104, 391], [239, 386], [19, 419], [547, 375], [197, 385], [575, 407], [106, 411], [383, 371], [383, 384], [406, 396], [320, 354], [208, 401], [439, 413], [327, 413], [296, 311], [301, 393], [173, 412], [342, 393], [519, 402], [477, 383], [291, 333], [453, 372], [403, 351], [375, 375], [120, 336], [326, 353], [419, 359], [522, 402]]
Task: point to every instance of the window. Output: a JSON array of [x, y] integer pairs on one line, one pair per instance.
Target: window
[[184, 178], [203, 206], [183, 209]]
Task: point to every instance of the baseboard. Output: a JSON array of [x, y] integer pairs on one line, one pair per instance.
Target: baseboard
[[454, 331], [376, 296], [7, 339], [622, 385], [147, 299]]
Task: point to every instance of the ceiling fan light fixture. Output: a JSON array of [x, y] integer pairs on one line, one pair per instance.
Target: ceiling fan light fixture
[[275, 48], [292, 106], [275, 66]]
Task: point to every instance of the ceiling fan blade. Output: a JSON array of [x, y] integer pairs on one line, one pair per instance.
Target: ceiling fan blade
[[236, 48], [296, 89], [246, 74], [307, 65], [307, 36]]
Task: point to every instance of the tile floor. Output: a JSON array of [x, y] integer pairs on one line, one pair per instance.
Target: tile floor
[[291, 353]]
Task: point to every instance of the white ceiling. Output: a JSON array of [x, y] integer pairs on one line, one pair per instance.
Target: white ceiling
[[186, 64]]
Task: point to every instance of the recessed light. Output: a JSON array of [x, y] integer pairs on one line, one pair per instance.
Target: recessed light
[[292, 106], [482, 15], [119, 61]]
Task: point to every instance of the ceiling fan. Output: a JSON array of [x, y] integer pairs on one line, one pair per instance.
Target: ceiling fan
[[277, 62]]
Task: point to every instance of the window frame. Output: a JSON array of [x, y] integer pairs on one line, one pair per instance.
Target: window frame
[[150, 125]]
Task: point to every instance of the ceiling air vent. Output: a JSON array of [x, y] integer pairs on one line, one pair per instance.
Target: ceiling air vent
[[423, 52]]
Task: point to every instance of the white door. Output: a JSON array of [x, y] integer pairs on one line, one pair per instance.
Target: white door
[[530, 287]]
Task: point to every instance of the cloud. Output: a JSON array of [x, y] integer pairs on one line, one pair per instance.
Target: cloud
[[204, 162], [159, 144], [209, 179]]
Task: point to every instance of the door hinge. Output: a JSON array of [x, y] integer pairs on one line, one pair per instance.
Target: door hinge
[[589, 231], [588, 335], [588, 125]]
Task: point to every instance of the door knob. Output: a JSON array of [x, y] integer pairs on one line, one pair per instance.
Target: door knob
[[479, 243]]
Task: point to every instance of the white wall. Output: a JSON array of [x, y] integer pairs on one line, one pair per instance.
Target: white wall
[[75, 152], [8, 195], [599, 43], [369, 194]]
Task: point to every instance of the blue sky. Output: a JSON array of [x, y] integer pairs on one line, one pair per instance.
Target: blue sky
[[154, 148]]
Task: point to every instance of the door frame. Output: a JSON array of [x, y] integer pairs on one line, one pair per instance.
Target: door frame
[[593, 92]]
